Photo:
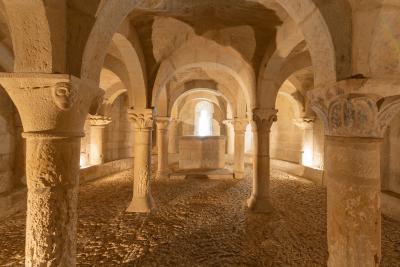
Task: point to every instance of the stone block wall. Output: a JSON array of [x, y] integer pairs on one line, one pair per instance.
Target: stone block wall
[[7, 142], [118, 137], [286, 137]]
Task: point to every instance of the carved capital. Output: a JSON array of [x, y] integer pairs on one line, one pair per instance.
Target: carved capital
[[263, 119], [50, 104], [99, 120], [240, 124], [142, 118], [352, 108], [163, 123]]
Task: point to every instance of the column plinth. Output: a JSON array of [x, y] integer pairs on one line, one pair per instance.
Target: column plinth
[[142, 200], [259, 200]]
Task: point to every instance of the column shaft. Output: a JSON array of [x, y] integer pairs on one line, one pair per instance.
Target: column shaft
[[142, 201], [162, 146], [52, 166], [352, 167], [259, 200], [240, 128]]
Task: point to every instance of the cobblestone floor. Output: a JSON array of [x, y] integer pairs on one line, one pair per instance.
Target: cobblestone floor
[[198, 222]]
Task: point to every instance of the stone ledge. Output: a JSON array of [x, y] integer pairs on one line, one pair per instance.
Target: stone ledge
[[91, 173], [314, 175], [390, 204]]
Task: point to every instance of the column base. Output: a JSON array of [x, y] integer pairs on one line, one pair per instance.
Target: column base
[[163, 175], [259, 204], [141, 205], [238, 175]]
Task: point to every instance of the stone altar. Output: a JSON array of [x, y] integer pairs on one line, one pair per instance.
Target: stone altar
[[202, 152]]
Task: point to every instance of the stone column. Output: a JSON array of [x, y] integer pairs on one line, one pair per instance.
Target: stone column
[[162, 146], [142, 119], [173, 137], [229, 144], [98, 125], [354, 126], [259, 200], [352, 170], [53, 108], [238, 161], [307, 126]]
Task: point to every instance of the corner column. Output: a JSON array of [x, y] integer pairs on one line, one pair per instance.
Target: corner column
[[97, 128], [142, 201], [53, 108], [240, 129], [259, 200], [162, 146]]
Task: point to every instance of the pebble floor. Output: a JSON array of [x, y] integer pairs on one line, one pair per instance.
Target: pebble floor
[[199, 222]]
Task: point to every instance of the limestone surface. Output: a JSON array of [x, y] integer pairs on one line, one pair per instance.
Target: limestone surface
[[199, 222]]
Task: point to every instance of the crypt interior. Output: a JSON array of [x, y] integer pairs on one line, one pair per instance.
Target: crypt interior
[[200, 133]]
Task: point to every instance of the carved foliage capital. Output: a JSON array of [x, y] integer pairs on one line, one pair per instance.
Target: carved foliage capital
[[240, 124], [264, 118], [361, 116], [348, 112], [163, 122], [142, 118]]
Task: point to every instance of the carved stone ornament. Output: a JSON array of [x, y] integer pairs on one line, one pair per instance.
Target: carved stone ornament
[[347, 111], [99, 120], [240, 124], [64, 95], [141, 118], [263, 119], [163, 122]]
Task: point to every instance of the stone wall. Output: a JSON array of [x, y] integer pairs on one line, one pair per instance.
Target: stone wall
[[390, 167], [10, 145], [118, 138], [119, 133], [286, 137]]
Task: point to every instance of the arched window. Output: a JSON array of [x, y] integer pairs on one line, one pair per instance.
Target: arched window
[[203, 119]]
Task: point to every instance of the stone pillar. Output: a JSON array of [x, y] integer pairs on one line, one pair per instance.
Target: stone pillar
[[259, 200], [307, 126], [162, 146], [352, 170], [229, 144], [142, 119], [238, 161], [53, 108], [97, 150], [173, 136], [354, 126]]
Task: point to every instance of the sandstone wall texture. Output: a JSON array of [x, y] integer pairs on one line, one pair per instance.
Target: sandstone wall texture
[[286, 137]]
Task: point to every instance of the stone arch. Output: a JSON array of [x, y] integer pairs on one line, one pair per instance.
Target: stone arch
[[329, 44], [108, 19], [209, 87], [39, 46], [279, 76], [220, 100], [135, 70], [208, 67], [199, 52]]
